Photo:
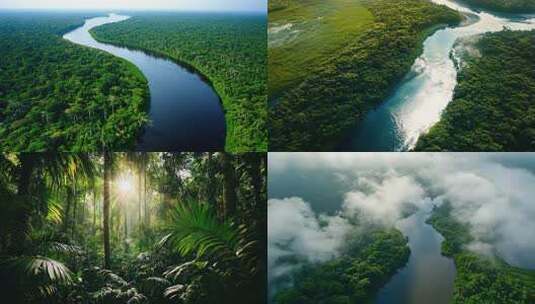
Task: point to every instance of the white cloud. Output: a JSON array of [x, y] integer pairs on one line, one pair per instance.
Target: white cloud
[[294, 230], [497, 201], [385, 200]]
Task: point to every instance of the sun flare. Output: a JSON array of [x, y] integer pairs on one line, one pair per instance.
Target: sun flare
[[125, 183]]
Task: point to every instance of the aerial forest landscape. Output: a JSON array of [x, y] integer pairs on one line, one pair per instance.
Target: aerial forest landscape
[[151, 79], [118, 228], [405, 228], [403, 75]]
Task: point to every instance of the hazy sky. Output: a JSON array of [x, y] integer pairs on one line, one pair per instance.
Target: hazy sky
[[212, 5]]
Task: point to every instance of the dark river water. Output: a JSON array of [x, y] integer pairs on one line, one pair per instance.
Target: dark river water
[[428, 276], [185, 112], [418, 101]]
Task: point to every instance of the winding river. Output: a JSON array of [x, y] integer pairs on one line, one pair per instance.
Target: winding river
[[185, 113], [416, 104], [428, 276]]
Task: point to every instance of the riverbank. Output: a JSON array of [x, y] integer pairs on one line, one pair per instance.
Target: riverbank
[[233, 63], [428, 277], [185, 113], [491, 109], [480, 277], [318, 113], [367, 263], [505, 6], [60, 96]]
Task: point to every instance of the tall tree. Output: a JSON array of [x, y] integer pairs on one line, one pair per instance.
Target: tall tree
[[229, 185], [108, 158]]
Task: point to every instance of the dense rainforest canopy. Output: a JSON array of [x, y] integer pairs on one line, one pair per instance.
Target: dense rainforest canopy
[[229, 49], [55, 95], [510, 6], [368, 262], [133, 228], [493, 108], [316, 114], [480, 279]]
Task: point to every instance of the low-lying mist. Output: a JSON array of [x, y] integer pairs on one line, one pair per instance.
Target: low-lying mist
[[493, 193]]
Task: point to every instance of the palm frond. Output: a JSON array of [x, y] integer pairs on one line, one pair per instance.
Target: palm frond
[[196, 229], [55, 211], [174, 291], [63, 248], [137, 299], [38, 273], [155, 285]]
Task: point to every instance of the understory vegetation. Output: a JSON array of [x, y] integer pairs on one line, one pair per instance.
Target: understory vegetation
[[480, 279], [55, 95], [367, 263], [316, 114], [229, 49], [126, 228], [510, 6], [493, 106]]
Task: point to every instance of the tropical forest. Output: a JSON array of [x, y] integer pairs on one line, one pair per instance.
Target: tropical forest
[[510, 6], [55, 95], [229, 49], [149, 80], [315, 96], [133, 228], [492, 109], [407, 228]]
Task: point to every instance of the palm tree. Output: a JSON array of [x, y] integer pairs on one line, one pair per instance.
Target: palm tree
[[55, 168], [35, 274], [230, 249], [108, 161]]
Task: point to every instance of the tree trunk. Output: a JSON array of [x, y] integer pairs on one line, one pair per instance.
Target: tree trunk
[[27, 166], [256, 179], [146, 206], [211, 181], [139, 191], [229, 186], [94, 208], [66, 220], [75, 206], [106, 201]]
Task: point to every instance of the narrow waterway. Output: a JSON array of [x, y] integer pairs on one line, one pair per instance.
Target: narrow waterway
[[428, 276], [185, 113], [416, 104]]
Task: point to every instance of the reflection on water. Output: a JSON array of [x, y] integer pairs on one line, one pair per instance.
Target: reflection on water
[[428, 276], [185, 112], [416, 105]]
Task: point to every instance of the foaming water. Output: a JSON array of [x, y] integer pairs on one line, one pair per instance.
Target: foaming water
[[185, 113], [417, 103]]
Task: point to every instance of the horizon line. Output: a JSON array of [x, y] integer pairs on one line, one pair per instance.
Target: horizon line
[[131, 9]]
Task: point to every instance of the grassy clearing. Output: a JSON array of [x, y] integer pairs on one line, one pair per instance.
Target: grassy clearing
[[305, 34]]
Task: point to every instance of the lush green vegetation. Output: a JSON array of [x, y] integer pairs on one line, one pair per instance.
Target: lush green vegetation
[[274, 5], [131, 228], [369, 261], [229, 49], [511, 6], [493, 107], [55, 95], [480, 279], [315, 114], [305, 34]]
